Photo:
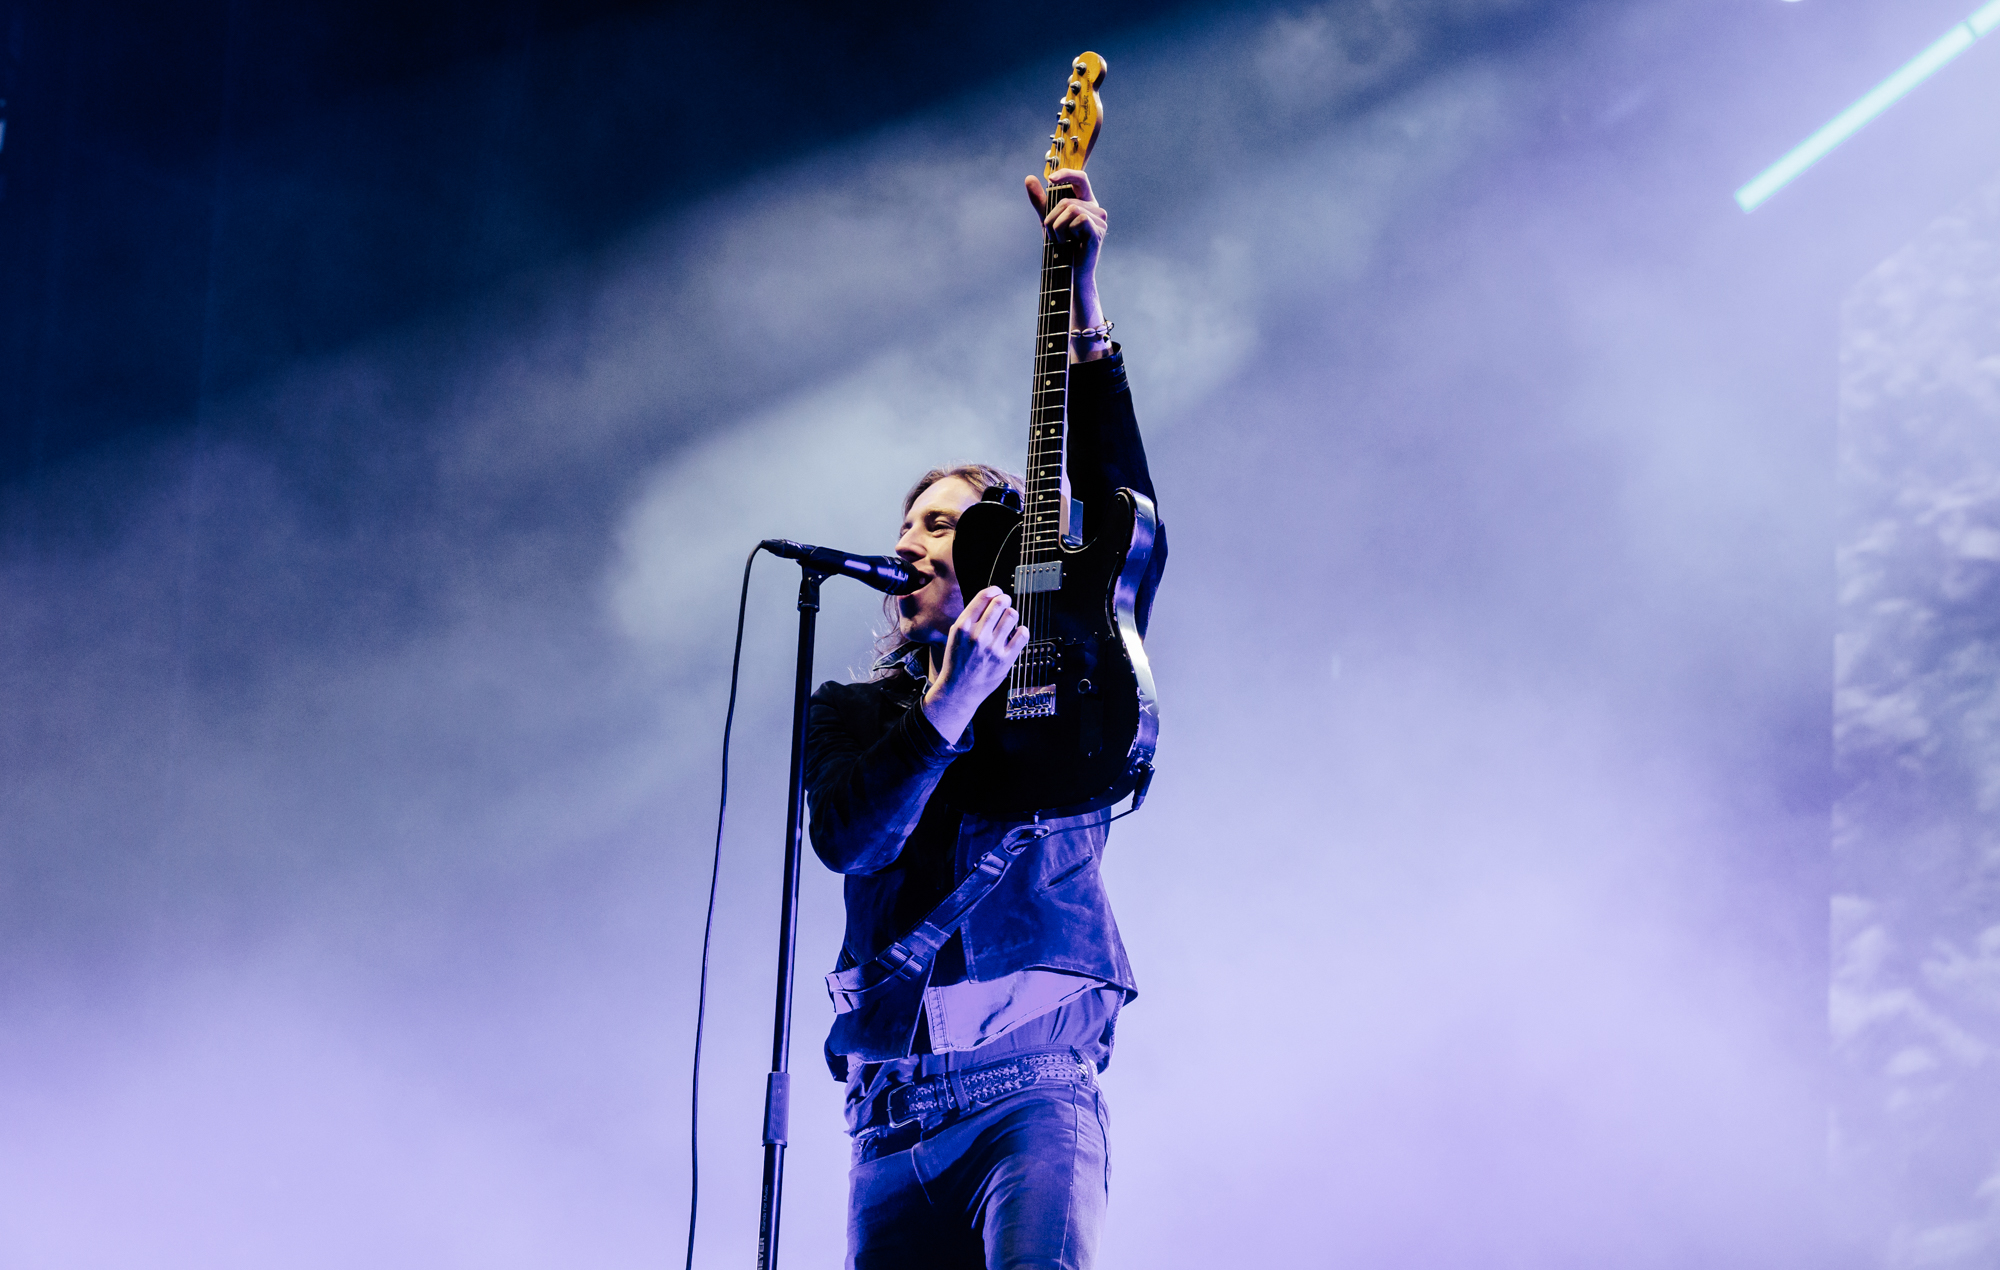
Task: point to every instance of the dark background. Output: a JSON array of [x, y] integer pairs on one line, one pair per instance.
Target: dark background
[[198, 192]]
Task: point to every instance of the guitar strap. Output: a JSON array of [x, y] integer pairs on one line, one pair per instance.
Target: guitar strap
[[909, 959]]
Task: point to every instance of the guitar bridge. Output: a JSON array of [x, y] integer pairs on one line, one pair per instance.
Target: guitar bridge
[[1038, 702], [1033, 695]]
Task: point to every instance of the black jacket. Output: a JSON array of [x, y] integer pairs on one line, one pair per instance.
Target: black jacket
[[879, 788]]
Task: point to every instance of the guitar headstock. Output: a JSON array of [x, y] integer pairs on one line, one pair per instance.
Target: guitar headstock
[[1082, 115]]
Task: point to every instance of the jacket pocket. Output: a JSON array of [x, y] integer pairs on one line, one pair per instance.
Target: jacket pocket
[[1064, 871]]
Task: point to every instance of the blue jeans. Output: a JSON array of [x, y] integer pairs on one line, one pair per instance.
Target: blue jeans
[[1019, 1185]]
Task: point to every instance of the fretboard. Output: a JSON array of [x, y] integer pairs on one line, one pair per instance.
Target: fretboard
[[1048, 486]]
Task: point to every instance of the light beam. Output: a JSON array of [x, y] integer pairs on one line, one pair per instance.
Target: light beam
[[1863, 112]]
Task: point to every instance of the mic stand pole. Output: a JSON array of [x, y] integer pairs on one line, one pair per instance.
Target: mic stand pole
[[778, 1085]]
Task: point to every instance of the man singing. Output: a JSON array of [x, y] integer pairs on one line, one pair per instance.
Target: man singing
[[979, 1131]]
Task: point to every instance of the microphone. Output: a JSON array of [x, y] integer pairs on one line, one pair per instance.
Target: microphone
[[884, 573]]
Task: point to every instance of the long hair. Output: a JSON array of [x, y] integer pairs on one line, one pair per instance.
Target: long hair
[[891, 649]]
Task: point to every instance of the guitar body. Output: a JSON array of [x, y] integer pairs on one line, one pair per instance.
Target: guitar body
[[1096, 746]]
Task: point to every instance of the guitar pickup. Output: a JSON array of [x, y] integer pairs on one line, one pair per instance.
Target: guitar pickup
[[1030, 579]]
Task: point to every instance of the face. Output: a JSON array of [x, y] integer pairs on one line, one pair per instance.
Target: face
[[926, 615]]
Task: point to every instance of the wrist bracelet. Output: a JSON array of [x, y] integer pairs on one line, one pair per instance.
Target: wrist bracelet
[[1102, 331]]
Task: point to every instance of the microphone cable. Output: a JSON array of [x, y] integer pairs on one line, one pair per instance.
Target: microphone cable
[[708, 926]]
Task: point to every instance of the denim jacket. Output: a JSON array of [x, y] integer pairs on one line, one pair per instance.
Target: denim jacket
[[879, 786]]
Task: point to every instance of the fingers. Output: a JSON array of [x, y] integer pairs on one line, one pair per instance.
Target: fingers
[[1073, 219], [985, 641], [992, 623], [1075, 222], [977, 620], [1069, 212], [998, 618], [1006, 634], [976, 608], [1076, 180]]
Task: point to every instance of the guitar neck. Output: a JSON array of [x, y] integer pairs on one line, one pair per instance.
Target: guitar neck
[[1047, 515], [1047, 511]]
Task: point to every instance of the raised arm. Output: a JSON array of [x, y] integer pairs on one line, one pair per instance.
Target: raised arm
[[1105, 453], [1082, 222]]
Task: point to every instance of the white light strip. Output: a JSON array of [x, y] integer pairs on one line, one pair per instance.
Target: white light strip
[[1863, 112]]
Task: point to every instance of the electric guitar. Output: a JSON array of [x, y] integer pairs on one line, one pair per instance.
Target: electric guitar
[[1073, 728]]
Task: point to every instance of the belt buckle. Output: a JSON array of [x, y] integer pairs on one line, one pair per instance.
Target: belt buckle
[[903, 1095], [899, 1099]]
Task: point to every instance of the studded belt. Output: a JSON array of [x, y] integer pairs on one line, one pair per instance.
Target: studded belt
[[973, 1087]]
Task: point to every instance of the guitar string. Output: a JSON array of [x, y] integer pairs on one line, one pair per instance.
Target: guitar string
[[1052, 441], [1052, 287], [1052, 458], [1026, 598], [1017, 673], [1043, 445], [1035, 445]]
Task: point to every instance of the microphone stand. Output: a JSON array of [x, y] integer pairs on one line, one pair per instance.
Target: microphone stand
[[778, 1085]]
